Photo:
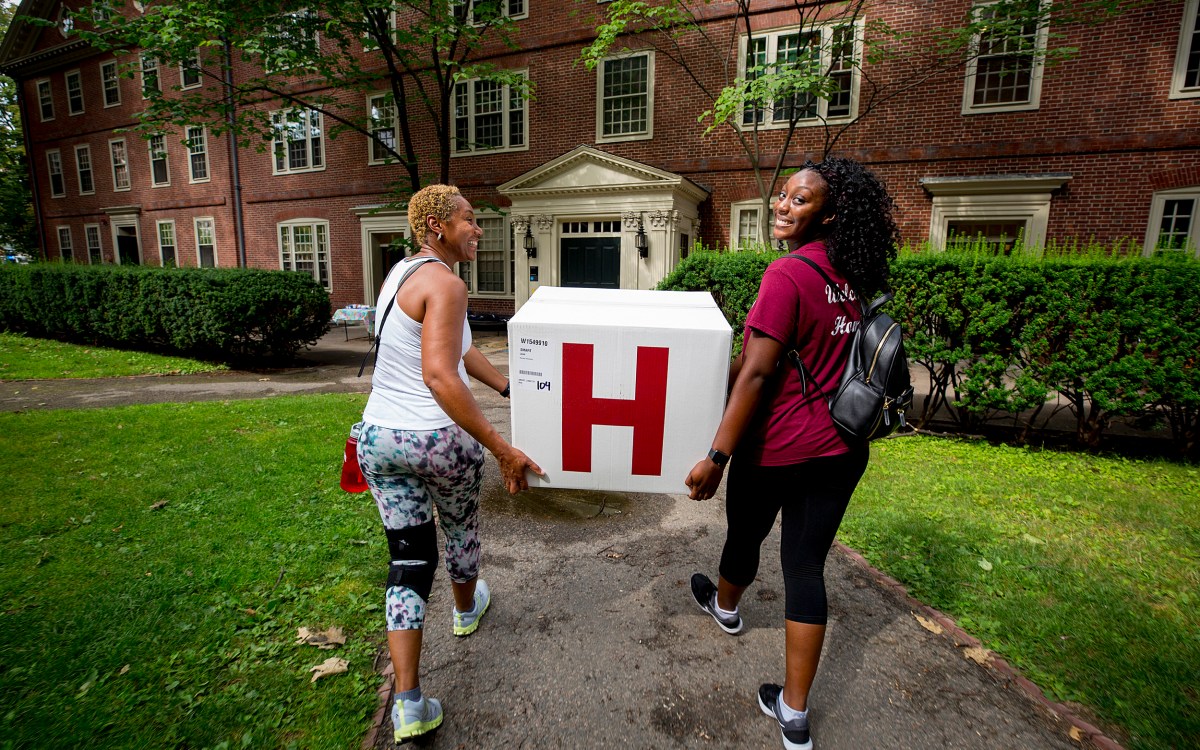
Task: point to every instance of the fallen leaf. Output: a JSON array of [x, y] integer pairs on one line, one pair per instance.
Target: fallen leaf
[[330, 666], [978, 654], [159, 505], [1032, 539], [250, 611], [985, 563], [323, 639], [118, 528], [615, 555], [123, 669], [929, 625], [1076, 734]]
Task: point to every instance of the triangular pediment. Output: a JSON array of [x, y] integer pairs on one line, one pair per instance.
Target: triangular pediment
[[589, 170], [28, 47]]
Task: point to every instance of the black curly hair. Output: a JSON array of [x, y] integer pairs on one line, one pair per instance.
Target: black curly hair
[[863, 236]]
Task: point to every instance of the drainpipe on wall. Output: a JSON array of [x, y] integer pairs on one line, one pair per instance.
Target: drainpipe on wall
[[235, 174], [33, 180]]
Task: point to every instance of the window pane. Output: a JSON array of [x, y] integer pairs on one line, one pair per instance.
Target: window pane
[[112, 84], [492, 256], [1176, 224], [489, 114], [1191, 76], [1001, 234], [74, 93], [83, 164], [1004, 68], [747, 232], [624, 93]]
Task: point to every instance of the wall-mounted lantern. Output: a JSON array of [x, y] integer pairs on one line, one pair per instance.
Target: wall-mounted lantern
[[530, 246], [640, 241]]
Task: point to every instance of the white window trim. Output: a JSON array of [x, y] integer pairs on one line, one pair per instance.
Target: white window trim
[[1178, 91], [200, 75], [99, 239], [174, 235], [503, 12], [116, 78], [62, 176], [157, 74], [395, 128], [50, 88], [1035, 75], [196, 235], [647, 134], [192, 179], [1158, 203], [735, 211], [1000, 198], [67, 86], [308, 222], [113, 165], [166, 159], [275, 170], [826, 61], [58, 231], [506, 232], [368, 42], [476, 151], [91, 168]]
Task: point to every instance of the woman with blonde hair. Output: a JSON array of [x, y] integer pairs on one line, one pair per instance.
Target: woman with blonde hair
[[423, 437]]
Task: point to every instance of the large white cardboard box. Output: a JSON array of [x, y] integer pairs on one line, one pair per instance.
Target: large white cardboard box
[[617, 389]]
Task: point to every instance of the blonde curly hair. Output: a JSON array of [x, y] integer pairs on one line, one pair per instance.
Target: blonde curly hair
[[431, 200]]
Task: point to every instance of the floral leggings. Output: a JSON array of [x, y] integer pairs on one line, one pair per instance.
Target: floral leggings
[[409, 473]]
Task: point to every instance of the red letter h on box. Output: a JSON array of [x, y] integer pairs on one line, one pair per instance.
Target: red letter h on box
[[646, 413]]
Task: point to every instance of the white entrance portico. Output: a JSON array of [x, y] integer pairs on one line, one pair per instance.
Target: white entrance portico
[[584, 211]]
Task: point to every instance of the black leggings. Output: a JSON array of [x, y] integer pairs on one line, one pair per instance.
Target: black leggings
[[813, 496]]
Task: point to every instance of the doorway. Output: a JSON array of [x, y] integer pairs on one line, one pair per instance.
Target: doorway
[[129, 251]]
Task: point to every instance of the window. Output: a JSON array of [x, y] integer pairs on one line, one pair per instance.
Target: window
[[65, 251], [74, 93], [1004, 72], [95, 250], [45, 100], [83, 168], [1001, 208], [304, 248], [369, 43], [197, 144], [120, 164], [488, 116], [491, 270], [481, 12], [1186, 79], [1173, 221], [296, 38], [166, 243], [66, 24], [58, 186], [830, 51], [298, 141], [745, 227], [189, 72], [206, 245], [150, 82], [382, 112], [625, 98], [111, 83], [160, 171]]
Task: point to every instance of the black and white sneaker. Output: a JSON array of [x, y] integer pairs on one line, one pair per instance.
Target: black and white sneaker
[[795, 733], [705, 594]]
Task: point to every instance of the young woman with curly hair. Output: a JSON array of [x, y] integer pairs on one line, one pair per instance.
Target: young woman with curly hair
[[787, 455]]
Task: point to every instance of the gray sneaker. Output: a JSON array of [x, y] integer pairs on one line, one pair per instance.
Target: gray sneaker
[[466, 623], [414, 718], [795, 733], [705, 594]]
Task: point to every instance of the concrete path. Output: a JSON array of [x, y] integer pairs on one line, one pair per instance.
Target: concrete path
[[593, 638]]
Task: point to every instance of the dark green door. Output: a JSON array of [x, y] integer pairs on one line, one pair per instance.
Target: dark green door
[[593, 262]]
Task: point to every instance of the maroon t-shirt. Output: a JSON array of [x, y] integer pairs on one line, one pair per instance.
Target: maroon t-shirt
[[796, 307]]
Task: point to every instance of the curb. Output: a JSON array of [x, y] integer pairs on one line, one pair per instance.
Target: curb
[[385, 692], [1087, 732]]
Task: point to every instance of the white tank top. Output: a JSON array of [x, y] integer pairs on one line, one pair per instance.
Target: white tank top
[[399, 398]]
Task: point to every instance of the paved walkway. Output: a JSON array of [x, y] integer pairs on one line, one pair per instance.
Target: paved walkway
[[593, 637]]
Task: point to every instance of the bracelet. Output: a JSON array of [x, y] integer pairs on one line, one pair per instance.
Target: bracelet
[[505, 392]]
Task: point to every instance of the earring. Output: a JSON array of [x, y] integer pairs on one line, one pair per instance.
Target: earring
[[439, 236]]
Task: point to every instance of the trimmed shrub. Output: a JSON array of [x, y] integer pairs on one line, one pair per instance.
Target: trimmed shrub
[[218, 314], [1112, 336]]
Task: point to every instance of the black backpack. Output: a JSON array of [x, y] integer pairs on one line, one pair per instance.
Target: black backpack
[[874, 391]]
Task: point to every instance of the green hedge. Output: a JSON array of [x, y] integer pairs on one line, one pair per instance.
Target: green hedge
[[1001, 336], [220, 314]]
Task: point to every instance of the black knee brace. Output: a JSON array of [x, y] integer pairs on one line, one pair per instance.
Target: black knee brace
[[414, 556]]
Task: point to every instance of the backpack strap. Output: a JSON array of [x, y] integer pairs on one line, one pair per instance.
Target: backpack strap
[[412, 267], [793, 354]]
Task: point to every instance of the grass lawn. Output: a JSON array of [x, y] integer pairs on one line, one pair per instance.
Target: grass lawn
[[23, 358], [1082, 571], [133, 624]]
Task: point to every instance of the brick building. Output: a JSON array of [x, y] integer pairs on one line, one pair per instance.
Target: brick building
[[606, 176]]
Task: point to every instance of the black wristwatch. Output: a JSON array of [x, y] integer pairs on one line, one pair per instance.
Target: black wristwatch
[[717, 457], [504, 392]]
